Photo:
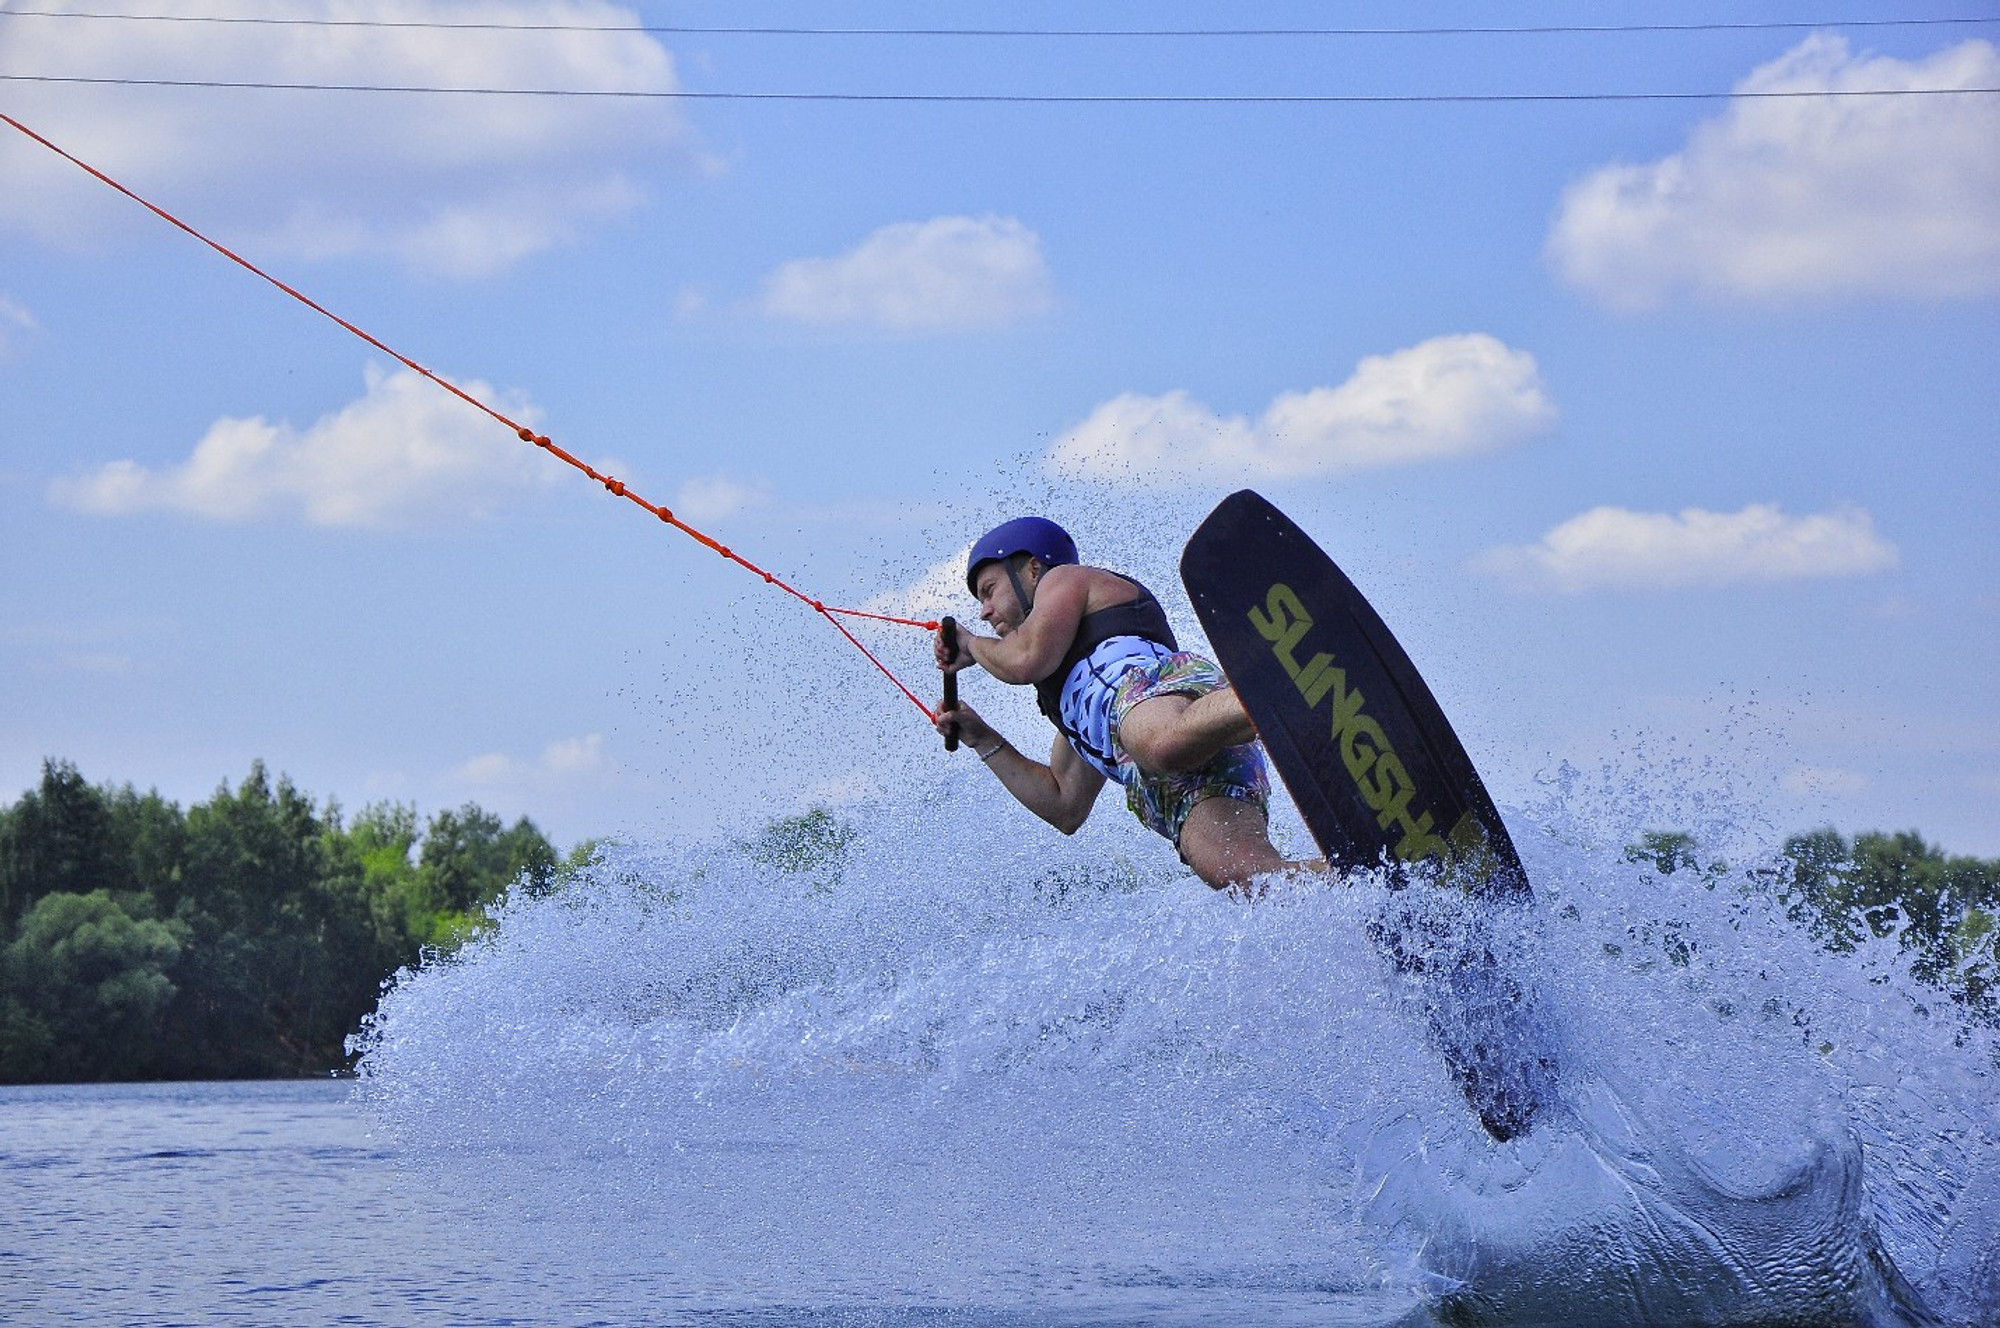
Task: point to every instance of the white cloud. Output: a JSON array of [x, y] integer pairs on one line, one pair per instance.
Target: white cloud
[[945, 274], [1615, 547], [564, 763], [403, 453], [455, 185], [715, 497], [14, 320], [1449, 396], [1813, 779], [562, 758], [99, 663], [690, 302], [939, 591], [853, 789], [1896, 608], [1806, 196]]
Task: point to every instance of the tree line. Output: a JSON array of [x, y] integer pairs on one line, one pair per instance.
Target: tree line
[[244, 937], [1943, 910]]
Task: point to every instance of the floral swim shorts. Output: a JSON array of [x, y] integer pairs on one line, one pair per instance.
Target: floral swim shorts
[[1162, 802]]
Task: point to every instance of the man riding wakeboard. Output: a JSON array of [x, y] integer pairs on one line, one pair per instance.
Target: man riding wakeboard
[[1128, 704]]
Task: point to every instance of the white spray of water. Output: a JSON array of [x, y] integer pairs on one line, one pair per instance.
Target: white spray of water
[[961, 1061]]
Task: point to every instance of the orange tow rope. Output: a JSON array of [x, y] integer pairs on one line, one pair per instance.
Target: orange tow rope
[[523, 432]]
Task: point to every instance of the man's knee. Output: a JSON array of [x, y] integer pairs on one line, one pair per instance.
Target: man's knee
[[1168, 753], [1156, 737], [1178, 734]]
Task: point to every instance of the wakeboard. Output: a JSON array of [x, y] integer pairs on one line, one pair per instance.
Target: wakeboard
[[1381, 781]]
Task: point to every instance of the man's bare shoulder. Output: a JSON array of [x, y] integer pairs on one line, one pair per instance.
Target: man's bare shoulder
[[1101, 589]]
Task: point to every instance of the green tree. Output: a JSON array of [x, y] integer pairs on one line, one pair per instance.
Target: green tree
[[373, 862], [461, 855], [531, 860], [253, 853], [25, 1040], [814, 843], [1939, 908], [246, 937], [149, 840], [1669, 851], [254, 902], [87, 985], [1811, 891], [469, 861], [1976, 943], [56, 839]]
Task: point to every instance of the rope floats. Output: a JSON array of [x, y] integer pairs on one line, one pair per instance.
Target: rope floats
[[616, 487]]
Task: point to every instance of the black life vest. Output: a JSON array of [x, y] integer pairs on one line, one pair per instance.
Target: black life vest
[[1141, 616]]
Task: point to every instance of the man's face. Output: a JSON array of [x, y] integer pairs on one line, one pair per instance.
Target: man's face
[[999, 606]]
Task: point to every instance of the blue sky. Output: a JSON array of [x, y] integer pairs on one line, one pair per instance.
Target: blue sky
[[1663, 431]]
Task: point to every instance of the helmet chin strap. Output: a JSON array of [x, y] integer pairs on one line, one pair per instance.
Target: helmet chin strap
[[1021, 592]]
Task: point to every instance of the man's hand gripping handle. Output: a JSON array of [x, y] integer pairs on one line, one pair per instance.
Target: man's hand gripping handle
[[948, 628]]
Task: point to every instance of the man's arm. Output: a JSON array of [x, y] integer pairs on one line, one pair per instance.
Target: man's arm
[[1061, 792], [1031, 651]]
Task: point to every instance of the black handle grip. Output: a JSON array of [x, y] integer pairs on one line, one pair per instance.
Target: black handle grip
[[949, 629]]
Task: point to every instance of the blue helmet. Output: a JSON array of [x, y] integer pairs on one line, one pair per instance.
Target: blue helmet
[[1034, 535]]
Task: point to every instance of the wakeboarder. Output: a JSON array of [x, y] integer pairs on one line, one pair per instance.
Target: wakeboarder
[[1128, 705]]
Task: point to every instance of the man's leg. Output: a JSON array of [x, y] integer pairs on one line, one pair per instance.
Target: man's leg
[[1227, 841], [1176, 733]]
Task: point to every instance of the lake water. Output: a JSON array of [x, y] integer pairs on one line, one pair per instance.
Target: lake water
[[280, 1204], [1049, 1083], [207, 1203], [266, 1204]]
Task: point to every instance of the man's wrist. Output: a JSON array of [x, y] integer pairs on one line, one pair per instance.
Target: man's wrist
[[993, 751]]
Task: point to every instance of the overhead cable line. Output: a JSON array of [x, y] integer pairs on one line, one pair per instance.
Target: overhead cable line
[[1015, 98], [616, 487], [733, 30]]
